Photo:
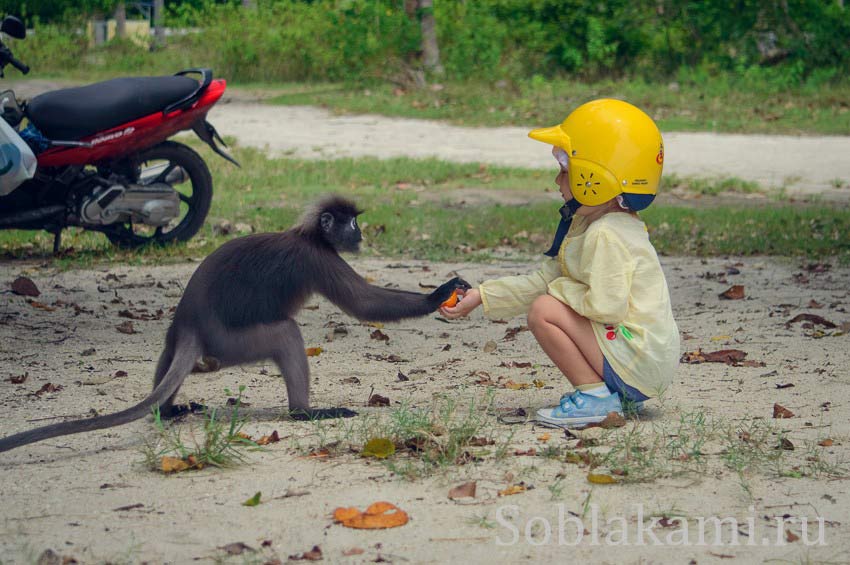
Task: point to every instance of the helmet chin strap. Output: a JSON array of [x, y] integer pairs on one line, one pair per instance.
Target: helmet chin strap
[[567, 211]]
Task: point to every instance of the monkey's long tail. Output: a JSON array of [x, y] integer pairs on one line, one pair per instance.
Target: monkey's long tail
[[187, 351]]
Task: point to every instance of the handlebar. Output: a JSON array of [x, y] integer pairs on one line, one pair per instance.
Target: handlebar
[[19, 65], [6, 58]]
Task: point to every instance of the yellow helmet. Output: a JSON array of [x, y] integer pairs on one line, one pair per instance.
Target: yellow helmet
[[614, 148]]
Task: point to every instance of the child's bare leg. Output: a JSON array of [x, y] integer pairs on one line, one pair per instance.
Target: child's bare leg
[[568, 340]]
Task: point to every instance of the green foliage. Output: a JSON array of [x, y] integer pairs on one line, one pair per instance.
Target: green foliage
[[420, 208], [782, 42]]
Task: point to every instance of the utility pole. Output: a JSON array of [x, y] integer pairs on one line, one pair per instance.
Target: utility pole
[[430, 49], [159, 29], [120, 20]]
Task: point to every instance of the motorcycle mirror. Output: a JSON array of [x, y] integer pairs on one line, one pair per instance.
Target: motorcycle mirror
[[13, 27]]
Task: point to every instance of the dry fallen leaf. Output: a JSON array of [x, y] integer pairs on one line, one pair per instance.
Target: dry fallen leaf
[[785, 444], [513, 489], [378, 447], [490, 346], [126, 327], [314, 554], [728, 356], [40, 305], [611, 420], [601, 479], [19, 379], [23, 286], [511, 385], [734, 292], [825, 442], [544, 437], [173, 465], [254, 500], [378, 400], [379, 335], [313, 351], [46, 388], [466, 490], [271, 438], [511, 333], [236, 548], [790, 536], [813, 318], [780, 411], [377, 516], [353, 551]]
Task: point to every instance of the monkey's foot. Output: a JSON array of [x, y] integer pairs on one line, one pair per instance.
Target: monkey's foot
[[178, 410], [321, 414]]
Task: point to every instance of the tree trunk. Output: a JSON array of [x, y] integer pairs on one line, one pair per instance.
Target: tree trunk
[[158, 27], [120, 20], [430, 49], [248, 4]]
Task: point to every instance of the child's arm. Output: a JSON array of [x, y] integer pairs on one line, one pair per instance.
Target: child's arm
[[508, 296]]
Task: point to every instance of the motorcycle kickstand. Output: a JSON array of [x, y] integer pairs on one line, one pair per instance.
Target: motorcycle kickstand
[[57, 241]]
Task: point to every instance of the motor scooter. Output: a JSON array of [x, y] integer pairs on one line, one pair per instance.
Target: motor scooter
[[99, 156]]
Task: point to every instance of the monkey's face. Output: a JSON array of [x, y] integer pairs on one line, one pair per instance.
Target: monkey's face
[[342, 232]]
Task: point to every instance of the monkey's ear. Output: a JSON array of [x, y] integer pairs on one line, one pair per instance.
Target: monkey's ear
[[327, 221]]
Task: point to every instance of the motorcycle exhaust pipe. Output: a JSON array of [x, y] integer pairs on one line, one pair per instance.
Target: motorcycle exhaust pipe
[[177, 175], [29, 216]]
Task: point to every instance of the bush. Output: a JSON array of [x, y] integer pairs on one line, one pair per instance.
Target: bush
[[780, 42]]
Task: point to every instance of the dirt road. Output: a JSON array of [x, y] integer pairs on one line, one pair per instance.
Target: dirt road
[[800, 165]]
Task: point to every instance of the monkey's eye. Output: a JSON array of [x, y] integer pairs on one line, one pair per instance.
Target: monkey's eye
[[354, 223]]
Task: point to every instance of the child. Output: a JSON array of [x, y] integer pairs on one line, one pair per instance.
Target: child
[[599, 307]]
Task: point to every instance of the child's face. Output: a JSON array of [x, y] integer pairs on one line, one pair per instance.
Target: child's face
[[563, 182], [563, 178]]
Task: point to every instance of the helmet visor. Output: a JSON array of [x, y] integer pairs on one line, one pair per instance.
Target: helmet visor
[[554, 135]]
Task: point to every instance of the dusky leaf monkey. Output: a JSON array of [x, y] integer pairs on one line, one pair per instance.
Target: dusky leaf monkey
[[239, 307]]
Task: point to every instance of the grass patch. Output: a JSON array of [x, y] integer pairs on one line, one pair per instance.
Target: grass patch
[[219, 442], [427, 440], [723, 104], [416, 208], [709, 186]]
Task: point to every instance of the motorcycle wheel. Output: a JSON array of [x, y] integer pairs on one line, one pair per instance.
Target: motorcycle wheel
[[154, 165]]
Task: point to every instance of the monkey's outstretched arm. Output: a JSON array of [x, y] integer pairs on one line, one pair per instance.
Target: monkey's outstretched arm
[[187, 351], [352, 294]]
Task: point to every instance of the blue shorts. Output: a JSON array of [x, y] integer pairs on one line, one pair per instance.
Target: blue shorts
[[616, 384]]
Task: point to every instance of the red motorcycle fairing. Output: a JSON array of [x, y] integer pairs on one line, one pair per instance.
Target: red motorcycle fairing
[[130, 137]]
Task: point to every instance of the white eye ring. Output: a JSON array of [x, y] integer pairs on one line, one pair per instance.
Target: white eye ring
[[354, 223]]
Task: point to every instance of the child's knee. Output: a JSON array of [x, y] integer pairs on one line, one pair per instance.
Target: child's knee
[[540, 309]]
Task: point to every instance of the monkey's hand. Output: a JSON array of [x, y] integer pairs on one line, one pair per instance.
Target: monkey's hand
[[321, 414], [445, 290]]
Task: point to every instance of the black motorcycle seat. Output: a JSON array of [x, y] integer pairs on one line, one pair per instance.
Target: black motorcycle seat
[[74, 113]]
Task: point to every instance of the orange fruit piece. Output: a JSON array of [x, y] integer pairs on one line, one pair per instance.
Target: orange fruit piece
[[451, 302]]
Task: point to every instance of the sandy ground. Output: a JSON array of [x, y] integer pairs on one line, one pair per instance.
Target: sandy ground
[[90, 497]]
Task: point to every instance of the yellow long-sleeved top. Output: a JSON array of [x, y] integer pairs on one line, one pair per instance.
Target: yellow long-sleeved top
[[608, 272]]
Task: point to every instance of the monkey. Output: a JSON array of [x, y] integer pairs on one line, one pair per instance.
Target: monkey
[[239, 307]]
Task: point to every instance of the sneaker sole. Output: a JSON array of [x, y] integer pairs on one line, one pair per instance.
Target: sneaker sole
[[565, 422]]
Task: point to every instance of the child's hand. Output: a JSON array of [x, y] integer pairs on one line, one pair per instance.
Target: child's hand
[[471, 299]]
